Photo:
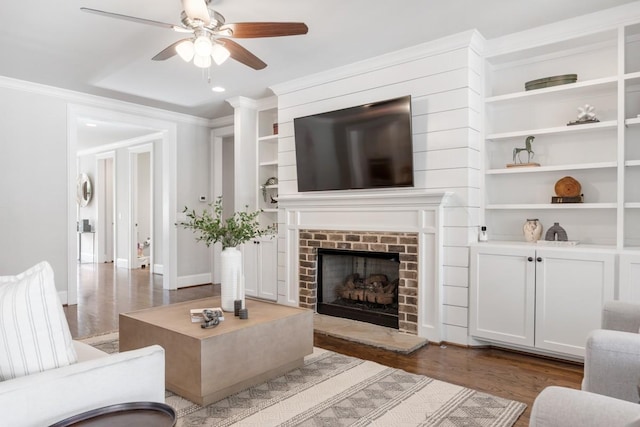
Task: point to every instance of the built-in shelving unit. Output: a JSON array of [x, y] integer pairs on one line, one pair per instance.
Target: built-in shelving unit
[[603, 156], [267, 148]]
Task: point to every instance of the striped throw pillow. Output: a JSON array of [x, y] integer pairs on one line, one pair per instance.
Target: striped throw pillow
[[34, 334]]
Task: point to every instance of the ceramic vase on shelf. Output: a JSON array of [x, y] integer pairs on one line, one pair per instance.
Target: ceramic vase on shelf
[[532, 230], [230, 277]]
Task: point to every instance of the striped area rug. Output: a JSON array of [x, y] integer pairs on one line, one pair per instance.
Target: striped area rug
[[336, 390]]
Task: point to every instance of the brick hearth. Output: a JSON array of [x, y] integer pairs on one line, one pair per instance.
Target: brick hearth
[[405, 244]]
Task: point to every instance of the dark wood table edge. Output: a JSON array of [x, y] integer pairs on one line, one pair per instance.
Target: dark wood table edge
[[118, 407]]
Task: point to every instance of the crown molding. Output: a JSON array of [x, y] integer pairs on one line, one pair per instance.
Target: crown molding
[[99, 101], [242, 101], [572, 28]]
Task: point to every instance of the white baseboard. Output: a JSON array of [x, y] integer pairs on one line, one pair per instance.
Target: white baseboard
[[122, 263], [158, 269], [87, 257], [64, 297], [195, 279]]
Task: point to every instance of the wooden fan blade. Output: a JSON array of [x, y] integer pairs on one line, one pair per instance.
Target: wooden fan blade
[[197, 9], [130, 18], [245, 30], [168, 51], [242, 55]]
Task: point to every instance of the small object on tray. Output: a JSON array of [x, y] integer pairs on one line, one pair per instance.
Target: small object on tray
[[577, 199], [550, 81], [197, 314], [586, 114]]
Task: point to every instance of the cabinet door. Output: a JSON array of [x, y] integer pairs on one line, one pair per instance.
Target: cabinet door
[[267, 269], [502, 294], [630, 277], [571, 288]]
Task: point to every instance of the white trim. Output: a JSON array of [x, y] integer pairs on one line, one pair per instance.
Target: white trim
[[194, 279], [158, 269], [216, 168], [411, 210], [100, 102], [122, 263], [112, 147]]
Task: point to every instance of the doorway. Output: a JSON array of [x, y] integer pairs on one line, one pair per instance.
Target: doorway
[[165, 135], [141, 237]]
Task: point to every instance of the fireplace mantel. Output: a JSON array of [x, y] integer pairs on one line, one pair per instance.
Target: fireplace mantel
[[402, 197], [390, 210]]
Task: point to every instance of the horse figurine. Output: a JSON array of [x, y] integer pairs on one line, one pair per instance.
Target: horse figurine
[[530, 153]]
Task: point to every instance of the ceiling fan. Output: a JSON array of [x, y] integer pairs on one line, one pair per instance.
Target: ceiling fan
[[210, 35]]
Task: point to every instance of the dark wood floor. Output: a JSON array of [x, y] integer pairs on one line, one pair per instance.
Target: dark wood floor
[[105, 291]]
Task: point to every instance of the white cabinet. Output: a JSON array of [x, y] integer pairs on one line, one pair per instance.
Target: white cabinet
[[629, 276], [502, 294], [260, 268], [545, 299]]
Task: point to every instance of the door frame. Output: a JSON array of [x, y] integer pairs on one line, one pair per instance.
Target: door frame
[[168, 136], [217, 139]]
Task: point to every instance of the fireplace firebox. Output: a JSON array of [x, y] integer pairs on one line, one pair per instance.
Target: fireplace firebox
[[359, 285]]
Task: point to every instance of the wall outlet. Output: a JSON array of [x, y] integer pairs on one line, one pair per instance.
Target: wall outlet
[[203, 198]]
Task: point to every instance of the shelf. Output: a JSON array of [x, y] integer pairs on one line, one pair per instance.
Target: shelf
[[632, 163], [632, 205], [268, 137], [540, 206], [632, 122], [632, 76], [269, 163], [555, 168], [270, 210], [601, 83], [609, 124], [270, 186]]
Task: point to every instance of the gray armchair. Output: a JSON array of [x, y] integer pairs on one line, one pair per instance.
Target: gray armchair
[[609, 395]]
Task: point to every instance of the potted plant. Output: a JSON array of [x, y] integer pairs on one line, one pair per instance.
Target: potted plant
[[231, 232]]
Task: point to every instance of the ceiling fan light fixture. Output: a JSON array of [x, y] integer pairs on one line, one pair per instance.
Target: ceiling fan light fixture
[[219, 53], [202, 61], [202, 46], [185, 50]]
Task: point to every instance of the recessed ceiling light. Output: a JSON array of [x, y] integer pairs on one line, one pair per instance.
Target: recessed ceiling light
[[92, 125], [217, 89]]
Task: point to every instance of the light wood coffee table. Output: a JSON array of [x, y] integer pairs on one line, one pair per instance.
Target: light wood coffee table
[[206, 365]]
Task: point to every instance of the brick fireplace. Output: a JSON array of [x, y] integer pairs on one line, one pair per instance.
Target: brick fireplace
[[407, 222], [404, 244]]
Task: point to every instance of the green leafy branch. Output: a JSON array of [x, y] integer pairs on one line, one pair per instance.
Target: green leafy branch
[[233, 231]]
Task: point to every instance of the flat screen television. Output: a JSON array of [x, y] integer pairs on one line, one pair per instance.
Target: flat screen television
[[363, 147]]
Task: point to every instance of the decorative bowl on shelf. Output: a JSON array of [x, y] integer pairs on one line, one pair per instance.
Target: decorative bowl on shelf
[[568, 187], [550, 81]]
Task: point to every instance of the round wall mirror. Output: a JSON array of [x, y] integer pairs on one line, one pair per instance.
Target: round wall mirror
[[84, 190]]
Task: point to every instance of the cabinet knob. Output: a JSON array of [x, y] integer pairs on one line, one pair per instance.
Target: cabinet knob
[[530, 259], [539, 259]]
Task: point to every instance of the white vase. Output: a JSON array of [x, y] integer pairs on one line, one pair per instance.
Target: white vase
[[532, 230], [230, 276]]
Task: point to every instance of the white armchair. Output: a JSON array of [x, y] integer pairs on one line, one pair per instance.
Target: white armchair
[[609, 395], [45, 376], [98, 379]]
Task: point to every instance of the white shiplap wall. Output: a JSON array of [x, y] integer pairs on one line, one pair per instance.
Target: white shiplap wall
[[444, 79]]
